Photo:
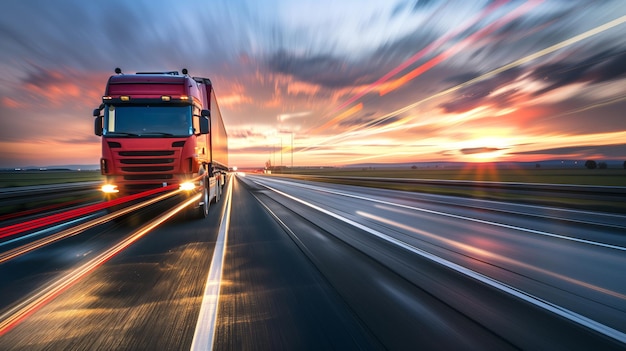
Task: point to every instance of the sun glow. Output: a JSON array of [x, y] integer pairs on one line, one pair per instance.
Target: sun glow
[[485, 149]]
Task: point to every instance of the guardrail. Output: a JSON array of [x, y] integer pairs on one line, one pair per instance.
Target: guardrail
[[25, 194], [608, 198], [565, 188]]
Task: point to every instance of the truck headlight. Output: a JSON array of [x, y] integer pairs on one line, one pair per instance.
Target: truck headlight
[[109, 188], [187, 186]]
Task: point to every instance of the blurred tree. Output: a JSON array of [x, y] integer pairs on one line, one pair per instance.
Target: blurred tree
[[591, 164], [602, 165]]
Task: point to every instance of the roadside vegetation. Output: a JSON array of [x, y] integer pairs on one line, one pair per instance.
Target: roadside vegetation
[[582, 176], [479, 172], [25, 178], [10, 179]]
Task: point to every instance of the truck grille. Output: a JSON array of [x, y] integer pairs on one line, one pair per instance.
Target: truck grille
[[147, 153], [147, 169], [149, 177], [146, 161]]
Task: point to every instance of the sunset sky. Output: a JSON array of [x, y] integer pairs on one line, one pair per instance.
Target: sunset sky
[[351, 81]]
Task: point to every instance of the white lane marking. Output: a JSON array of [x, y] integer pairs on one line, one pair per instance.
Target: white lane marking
[[496, 224], [539, 302], [203, 337]]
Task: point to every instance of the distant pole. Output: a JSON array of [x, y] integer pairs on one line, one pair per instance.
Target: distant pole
[[281, 150]]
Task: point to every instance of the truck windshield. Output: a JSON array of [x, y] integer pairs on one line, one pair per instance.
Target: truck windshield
[[147, 121]]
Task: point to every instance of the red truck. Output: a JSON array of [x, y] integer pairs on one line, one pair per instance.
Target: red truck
[[161, 129]]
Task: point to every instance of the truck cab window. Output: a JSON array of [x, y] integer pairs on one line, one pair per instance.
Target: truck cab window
[[148, 121]]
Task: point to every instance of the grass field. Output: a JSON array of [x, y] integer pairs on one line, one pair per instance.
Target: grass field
[[582, 176], [25, 178]]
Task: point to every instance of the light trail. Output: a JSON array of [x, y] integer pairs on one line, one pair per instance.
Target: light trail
[[450, 215], [563, 44], [47, 208], [18, 251], [71, 214], [26, 308], [590, 107], [494, 283], [479, 254]]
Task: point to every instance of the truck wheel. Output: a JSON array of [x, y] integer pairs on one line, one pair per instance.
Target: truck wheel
[[203, 205], [218, 192]]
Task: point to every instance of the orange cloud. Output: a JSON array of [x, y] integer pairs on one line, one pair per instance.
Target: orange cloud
[[10, 103]]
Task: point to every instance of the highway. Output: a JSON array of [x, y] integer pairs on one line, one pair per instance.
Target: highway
[[284, 264]]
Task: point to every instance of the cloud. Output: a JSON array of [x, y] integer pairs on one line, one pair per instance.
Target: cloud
[[604, 66], [479, 150], [286, 116], [324, 70], [369, 120], [480, 93], [299, 61], [244, 133], [607, 151]]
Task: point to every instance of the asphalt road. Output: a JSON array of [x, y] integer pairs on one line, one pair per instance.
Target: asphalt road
[[320, 266]]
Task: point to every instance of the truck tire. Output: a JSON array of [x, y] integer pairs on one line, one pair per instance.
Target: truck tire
[[203, 205], [218, 192]]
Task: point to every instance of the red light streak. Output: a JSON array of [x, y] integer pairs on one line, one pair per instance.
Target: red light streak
[[430, 47], [59, 217], [44, 209], [457, 47]]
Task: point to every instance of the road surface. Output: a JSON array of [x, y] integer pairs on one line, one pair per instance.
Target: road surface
[[320, 266]]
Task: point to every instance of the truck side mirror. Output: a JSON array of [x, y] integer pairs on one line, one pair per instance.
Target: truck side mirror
[[204, 125], [96, 112], [97, 125], [205, 113]]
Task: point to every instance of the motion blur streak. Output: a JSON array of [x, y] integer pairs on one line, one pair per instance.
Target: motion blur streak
[[548, 306], [481, 253], [429, 48], [203, 337], [40, 222], [519, 62], [347, 113], [523, 60], [8, 255], [47, 208], [496, 224], [459, 46], [19, 313]]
